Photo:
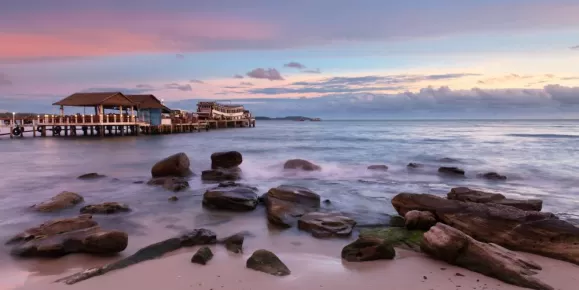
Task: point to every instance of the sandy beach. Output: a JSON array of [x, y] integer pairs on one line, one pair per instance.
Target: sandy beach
[[314, 263]]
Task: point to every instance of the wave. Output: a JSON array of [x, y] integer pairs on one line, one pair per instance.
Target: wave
[[564, 136]]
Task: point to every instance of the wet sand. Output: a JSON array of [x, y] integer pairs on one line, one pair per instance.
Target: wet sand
[[315, 264]]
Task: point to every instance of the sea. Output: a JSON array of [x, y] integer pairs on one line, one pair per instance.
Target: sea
[[539, 157]]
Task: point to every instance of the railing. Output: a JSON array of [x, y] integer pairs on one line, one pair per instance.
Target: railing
[[86, 119]]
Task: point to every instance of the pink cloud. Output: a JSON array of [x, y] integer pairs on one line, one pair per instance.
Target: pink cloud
[[86, 34]]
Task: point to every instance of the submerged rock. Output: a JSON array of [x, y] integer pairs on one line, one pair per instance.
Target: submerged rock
[[174, 184], [413, 165], [231, 198], [267, 262], [378, 167], [419, 220], [451, 171], [301, 164], [397, 237], [92, 175], [325, 225], [492, 176], [510, 227], [105, 208], [284, 204], [448, 160], [91, 240], [397, 221], [219, 175], [63, 200], [225, 160], [54, 227], [368, 249], [173, 198], [175, 165], [478, 196], [457, 248], [202, 256], [234, 243]]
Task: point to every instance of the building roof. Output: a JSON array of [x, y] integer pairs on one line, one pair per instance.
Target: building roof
[[148, 102], [107, 99]]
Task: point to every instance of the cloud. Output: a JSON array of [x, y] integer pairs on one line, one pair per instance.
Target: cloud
[[270, 74], [196, 82], [570, 78], [294, 64], [313, 71], [144, 86], [321, 90], [574, 47], [4, 81], [246, 84], [176, 86], [507, 78], [237, 76], [180, 56], [139, 89]]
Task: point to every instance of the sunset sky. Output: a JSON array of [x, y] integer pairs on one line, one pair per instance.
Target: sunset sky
[[328, 58]]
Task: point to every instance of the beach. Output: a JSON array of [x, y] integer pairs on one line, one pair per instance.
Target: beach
[[537, 156]]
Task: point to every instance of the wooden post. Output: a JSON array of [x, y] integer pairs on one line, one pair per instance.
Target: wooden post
[[43, 133], [102, 131], [62, 110], [66, 130], [34, 128]]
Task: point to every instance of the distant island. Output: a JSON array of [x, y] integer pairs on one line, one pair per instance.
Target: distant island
[[288, 118]]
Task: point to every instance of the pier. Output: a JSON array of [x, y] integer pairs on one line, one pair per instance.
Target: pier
[[128, 115]]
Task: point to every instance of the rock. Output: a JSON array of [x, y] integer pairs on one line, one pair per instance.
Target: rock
[[301, 164], [230, 198], [467, 194], [173, 198], [226, 160], [378, 167], [455, 247], [235, 184], [202, 256], [412, 165], [513, 228], [175, 165], [91, 240], [219, 175], [54, 227], [419, 220], [105, 208], [368, 249], [451, 171], [327, 202], [448, 160], [325, 225], [397, 221], [92, 175], [174, 184], [189, 239], [284, 204], [267, 262], [492, 176], [63, 200], [234, 243], [397, 237]]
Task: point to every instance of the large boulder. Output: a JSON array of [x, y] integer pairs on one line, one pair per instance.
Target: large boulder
[[55, 227], [397, 237], [510, 227], [105, 208], [267, 262], [467, 194], [235, 198], [175, 165], [457, 248], [63, 200], [301, 164], [325, 225], [419, 220], [234, 243], [91, 240], [91, 176], [451, 171], [285, 204], [202, 256], [220, 175], [174, 184], [368, 249], [492, 176], [229, 159]]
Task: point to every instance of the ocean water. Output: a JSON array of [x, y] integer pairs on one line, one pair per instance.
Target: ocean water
[[540, 158]]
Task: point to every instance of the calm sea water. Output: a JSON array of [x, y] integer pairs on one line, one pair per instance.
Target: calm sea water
[[540, 158]]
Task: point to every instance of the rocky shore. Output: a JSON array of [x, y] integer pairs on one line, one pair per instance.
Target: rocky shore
[[480, 231]]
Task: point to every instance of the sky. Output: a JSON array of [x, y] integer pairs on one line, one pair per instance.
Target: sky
[[335, 59]]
